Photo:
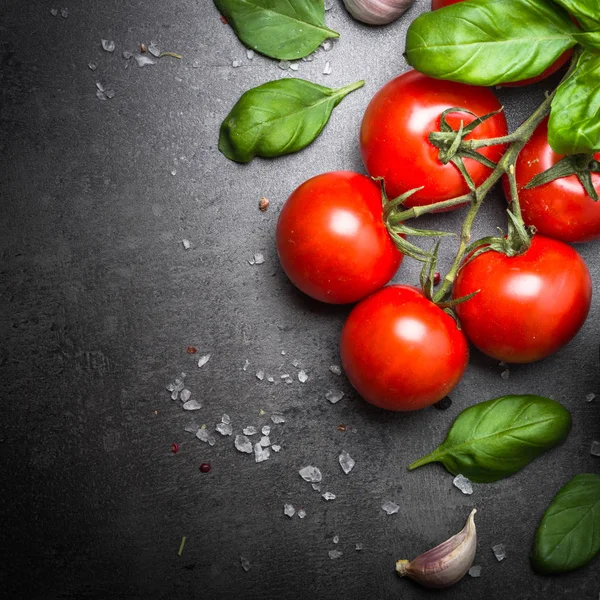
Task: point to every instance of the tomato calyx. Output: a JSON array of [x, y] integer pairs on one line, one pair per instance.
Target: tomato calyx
[[580, 165], [454, 148]]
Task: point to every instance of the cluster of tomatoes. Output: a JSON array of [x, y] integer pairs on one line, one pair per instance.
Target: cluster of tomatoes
[[399, 349]]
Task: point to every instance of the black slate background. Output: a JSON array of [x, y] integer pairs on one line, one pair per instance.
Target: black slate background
[[99, 301]]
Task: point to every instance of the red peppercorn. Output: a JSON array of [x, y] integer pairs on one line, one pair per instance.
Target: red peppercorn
[[191, 350], [436, 278], [205, 468], [174, 447], [342, 427], [224, 20]]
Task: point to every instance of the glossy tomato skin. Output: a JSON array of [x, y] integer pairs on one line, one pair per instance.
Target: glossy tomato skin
[[528, 306], [400, 351], [560, 209], [331, 239], [555, 66], [394, 134]]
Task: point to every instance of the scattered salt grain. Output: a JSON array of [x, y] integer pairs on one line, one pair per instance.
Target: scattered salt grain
[[236, 63], [334, 396], [226, 419], [302, 377], [224, 428], [333, 554], [192, 428], [505, 374], [346, 462], [246, 365], [64, 13], [265, 441], [590, 397], [595, 448], [243, 444], [390, 507], [92, 66], [275, 448], [185, 395], [108, 45], [153, 49], [173, 172], [329, 496], [54, 11], [261, 454], [327, 69], [259, 259], [327, 45], [284, 376], [289, 510], [100, 95], [288, 379], [127, 55], [310, 474], [249, 54], [284, 65], [336, 539], [144, 61], [359, 546], [499, 552], [302, 513], [191, 405], [335, 369], [186, 244], [294, 67], [250, 430], [110, 94], [278, 419], [203, 360], [316, 487], [271, 379], [245, 563], [309, 58], [99, 86], [475, 571], [463, 484], [266, 430], [260, 375], [203, 435]]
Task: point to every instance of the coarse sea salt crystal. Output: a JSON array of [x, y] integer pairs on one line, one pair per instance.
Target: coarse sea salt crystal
[[265, 441], [329, 496], [144, 61], [346, 462], [475, 571], [249, 54], [390, 507], [246, 365], [185, 395], [250, 430], [261, 454], [505, 374], [499, 552], [93, 66], [192, 428], [358, 547], [595, 448], [336, 369], [310, 474], [203, 435], [590, 397], [226, 419], [334, 396], [108, 45], [153, 49], [224, 428], [302, 513], [243, 444], [327, 68], [203, 360], [294, 67], [336, 539], [316, 487], [236, 63], [186, 244], [191, 405], [278, 419], [289, 510], [327, 45], [284, 65], [302, 377], [266, 430], [463, 484], [275, 448], [260, 375], [245, 563], [333, 554], [54, 11]]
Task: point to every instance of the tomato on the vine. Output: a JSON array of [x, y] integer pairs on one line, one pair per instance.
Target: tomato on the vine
[[402, 352], [331, 239], [528, 306], [560, 209], [394, 141], [555, 66]]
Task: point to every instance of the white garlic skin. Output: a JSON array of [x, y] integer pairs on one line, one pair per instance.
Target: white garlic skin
[[377, 12], [445, 564]]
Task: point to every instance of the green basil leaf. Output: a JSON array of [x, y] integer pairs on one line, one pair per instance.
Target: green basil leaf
[[568, 535], [486, 42], [494, 439], [278, 117], [574, 126], [585, 11], [589, 39], [281, 29]]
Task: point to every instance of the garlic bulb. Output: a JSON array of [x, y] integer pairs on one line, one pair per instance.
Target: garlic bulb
[[377, 12], [445, 564]]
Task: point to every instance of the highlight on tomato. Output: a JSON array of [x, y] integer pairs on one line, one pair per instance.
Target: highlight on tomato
[[527, 306], [560, 209], [400, 351], [394, 136], [332, 241]]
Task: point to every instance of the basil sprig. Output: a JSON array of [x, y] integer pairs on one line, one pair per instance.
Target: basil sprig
[[278, 117], [568, 535], [283, 29], [488, 42], [494, 439]]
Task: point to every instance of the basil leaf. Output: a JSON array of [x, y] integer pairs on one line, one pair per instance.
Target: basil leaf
[[486, 42], [494, 439], [585, 11], [278, 117], [574, 126], [280, 29], [568, 535]]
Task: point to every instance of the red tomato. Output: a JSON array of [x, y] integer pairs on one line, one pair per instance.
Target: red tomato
[[529, 305], [394, 135], [332, 241], [402, 352], [555, 66], [560, 209]]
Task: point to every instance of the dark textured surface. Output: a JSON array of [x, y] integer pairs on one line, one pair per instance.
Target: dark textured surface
[[99, 301]]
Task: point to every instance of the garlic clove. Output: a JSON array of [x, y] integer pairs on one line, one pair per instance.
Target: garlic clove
[[445, 564], [377, 12]]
